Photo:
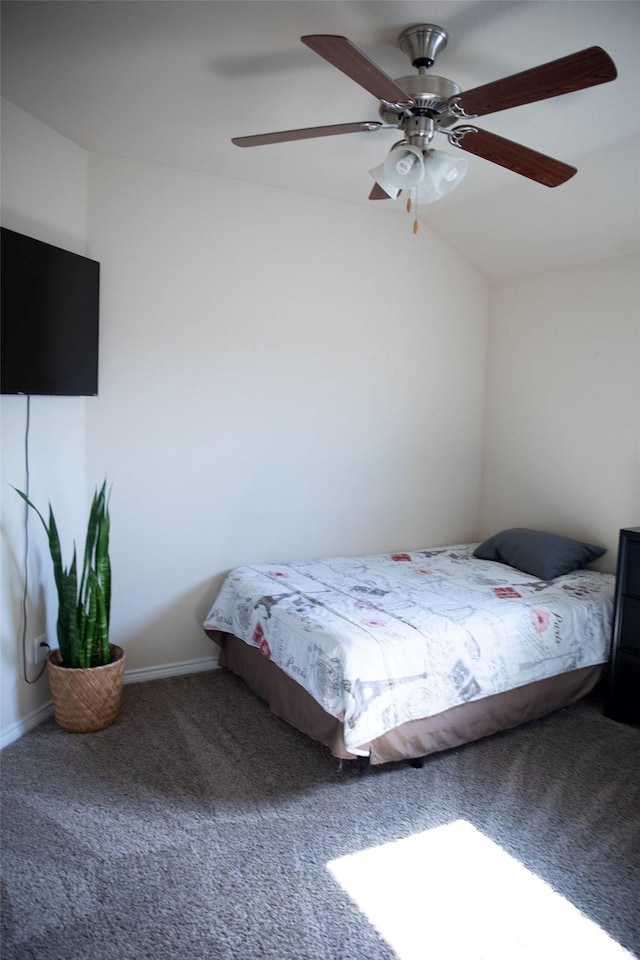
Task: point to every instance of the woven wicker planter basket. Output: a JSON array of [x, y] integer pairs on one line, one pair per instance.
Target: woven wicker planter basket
[[86, 699]]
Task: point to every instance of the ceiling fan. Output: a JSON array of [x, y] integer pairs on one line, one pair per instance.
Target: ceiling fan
[[423, 104]]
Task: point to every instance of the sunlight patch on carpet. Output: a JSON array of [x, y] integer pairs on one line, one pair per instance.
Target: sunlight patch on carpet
[[452, 893]]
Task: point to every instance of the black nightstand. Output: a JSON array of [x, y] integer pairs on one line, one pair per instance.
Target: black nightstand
[[623, 694]]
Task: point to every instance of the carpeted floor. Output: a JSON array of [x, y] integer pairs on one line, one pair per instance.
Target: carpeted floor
[[200, 827]]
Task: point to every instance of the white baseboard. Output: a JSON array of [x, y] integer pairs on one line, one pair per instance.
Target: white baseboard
[[20, 727], [138, 675]]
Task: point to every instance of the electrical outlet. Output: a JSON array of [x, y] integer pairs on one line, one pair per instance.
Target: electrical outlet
[[40, 648]]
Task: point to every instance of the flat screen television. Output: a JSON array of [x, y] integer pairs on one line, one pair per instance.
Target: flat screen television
[[49, 304]]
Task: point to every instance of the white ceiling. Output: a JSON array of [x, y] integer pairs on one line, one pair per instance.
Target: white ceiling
[[172, 81]]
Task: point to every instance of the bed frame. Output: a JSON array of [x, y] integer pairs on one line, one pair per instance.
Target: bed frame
[[412, 740]]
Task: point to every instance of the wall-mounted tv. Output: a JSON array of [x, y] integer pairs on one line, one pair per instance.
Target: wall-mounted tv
[[49, 317]]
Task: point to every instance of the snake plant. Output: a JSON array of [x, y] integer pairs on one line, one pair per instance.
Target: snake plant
[[84, 602]]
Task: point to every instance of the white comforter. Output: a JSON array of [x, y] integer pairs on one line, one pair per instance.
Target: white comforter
[[381, 640]]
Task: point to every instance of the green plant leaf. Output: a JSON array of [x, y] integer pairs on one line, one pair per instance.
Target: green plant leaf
[[102, 627], [68, 634], [91, 615], [92, 535], [32, 505]]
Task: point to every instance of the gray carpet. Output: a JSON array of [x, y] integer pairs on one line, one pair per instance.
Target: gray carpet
[[200, 826]]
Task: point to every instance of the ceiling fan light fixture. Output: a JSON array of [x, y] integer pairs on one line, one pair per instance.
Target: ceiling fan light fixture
[[442, 174], [378, 175], [404, 166]]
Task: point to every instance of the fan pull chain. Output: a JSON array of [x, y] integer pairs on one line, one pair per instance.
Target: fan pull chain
[[410, 207]]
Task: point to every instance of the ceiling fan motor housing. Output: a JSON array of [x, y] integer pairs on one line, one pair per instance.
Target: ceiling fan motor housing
[[430, 95]]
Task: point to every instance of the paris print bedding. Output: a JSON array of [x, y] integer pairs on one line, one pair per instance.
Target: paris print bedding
[[380, 640]]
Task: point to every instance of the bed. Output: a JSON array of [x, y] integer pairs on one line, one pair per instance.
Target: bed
[[397, 656]]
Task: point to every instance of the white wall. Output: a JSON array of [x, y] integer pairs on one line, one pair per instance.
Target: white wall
[[44, 184], [562, 433], [273, 384]]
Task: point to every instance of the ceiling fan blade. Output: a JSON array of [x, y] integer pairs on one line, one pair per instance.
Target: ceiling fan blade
[[587, 68], [341, 53], [306, 133], [528, 163], [378, 193]]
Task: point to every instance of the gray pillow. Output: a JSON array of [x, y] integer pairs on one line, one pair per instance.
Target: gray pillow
[[543, 555]]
